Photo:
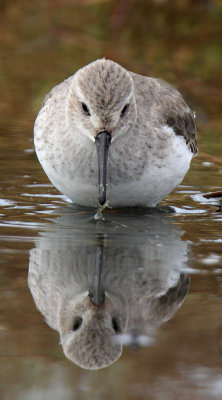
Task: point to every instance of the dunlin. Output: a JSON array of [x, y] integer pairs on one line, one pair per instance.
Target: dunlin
[[106, 133]]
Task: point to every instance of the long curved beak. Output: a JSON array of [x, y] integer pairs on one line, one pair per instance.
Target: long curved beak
[[103, 140], [97, 293]]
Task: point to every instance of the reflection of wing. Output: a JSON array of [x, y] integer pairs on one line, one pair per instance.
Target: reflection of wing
[[147, 312], [165, 306], [44, 293], [57, 269]]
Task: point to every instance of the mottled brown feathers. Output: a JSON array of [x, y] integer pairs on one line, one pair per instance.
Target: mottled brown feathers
[[184, 125]]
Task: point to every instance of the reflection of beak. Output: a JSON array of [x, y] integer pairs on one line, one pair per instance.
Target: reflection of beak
[[103, 140], [97, 293]]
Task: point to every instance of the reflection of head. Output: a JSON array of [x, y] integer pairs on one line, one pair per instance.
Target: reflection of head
[[87, 335], [59, 290]]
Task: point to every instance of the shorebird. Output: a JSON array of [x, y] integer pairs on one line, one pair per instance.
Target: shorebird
[[108, 134]]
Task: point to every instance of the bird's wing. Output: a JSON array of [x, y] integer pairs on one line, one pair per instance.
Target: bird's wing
[[177, 114], [184, 125], [168, 107]]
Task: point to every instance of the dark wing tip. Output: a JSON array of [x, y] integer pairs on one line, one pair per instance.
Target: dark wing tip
[[184, 125]]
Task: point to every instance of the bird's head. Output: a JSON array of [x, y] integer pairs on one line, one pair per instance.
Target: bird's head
[[101, 106], [101, 98]]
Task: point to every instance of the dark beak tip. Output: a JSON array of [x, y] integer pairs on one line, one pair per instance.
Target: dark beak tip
[[97, 301], [103, 135], [102, 199]]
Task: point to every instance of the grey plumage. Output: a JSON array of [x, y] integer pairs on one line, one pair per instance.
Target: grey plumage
[[151, 127]]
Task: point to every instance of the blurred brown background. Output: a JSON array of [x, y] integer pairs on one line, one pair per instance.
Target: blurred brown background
[[43, 42]]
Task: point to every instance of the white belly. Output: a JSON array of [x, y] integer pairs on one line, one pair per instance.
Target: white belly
[[158, 179]]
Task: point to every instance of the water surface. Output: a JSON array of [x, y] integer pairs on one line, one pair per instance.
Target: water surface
[[185, 356]]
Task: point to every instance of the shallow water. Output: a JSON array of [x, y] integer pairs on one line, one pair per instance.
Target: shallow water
[[162, 272], [185, 353]]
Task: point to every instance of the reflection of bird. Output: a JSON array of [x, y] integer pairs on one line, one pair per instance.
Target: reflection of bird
[[143, 123], [136, 263], [60, 278]]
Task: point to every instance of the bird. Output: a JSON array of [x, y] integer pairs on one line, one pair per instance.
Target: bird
[[102, 287], [106, 135]]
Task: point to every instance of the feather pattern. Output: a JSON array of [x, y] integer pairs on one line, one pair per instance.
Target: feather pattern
[[184, 125]]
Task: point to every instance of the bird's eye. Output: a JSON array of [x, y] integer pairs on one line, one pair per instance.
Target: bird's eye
[[116, 325], [77, 323], [85, 109], [124, 110]]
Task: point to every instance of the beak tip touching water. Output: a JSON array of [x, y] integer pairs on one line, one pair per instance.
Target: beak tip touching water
[[97, 299], [102, 197]]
